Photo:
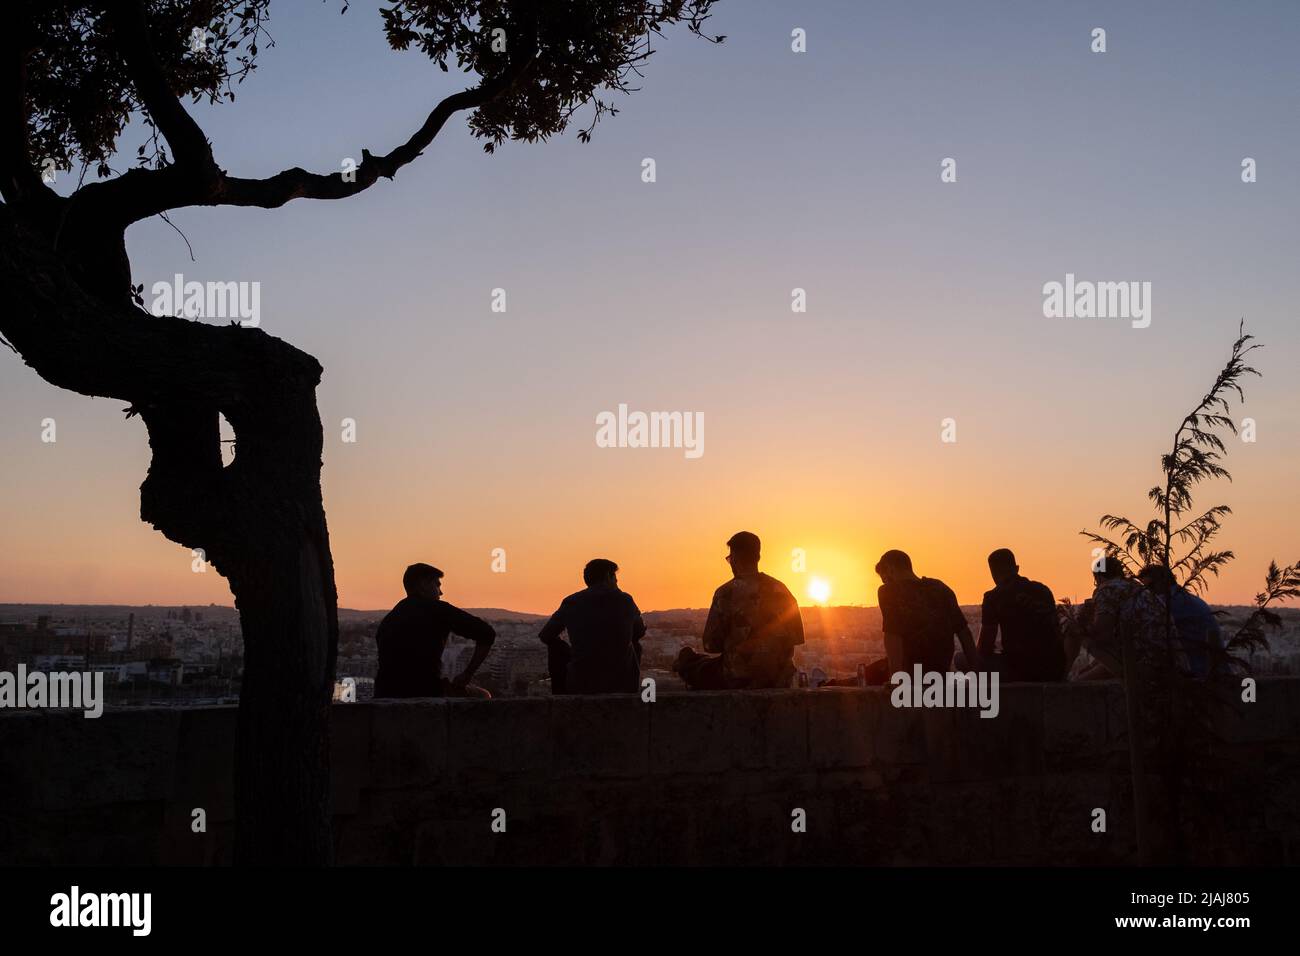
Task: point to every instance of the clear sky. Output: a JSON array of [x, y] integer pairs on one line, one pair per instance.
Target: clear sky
[[775, 170]]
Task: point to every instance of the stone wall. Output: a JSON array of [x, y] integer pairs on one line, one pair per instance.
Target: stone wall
[[690, 778]]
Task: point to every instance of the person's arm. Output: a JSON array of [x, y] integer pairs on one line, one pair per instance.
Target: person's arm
[[714, 626], [795, 626], [551, 630], [1102, 639], [967, 642], [477, 630], [1214, 633], [888, 624], [1074, 631], [638, 627], [988, 625], [964, 636], [481, 649]]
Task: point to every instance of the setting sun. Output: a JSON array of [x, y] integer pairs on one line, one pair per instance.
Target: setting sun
[[819, 589]]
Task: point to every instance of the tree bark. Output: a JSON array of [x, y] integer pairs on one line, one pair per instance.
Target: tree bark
[[259, 521]]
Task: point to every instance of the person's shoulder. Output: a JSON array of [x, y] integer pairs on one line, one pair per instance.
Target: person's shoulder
[[1040, 589], [934, 584], [443, 608], [772, 584], [1195, 600], [724, 589]]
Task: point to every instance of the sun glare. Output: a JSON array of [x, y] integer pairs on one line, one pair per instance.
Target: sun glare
[[819, 589]]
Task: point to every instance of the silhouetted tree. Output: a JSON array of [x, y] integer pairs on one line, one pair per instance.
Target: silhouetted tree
[[72, 74], [1166, 707]]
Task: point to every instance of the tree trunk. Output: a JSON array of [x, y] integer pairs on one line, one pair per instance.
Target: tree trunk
[[260, 521], [288, 612]]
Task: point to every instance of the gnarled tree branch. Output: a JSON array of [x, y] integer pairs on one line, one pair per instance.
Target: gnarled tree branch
[[140, 193], [189, 146]]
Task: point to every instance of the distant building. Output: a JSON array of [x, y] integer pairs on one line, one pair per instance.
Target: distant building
[[49, 663]]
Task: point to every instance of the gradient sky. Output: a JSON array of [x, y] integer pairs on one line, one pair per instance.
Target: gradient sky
[[475, 430]]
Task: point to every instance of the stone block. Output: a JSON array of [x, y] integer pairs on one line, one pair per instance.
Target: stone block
[[842, 726], [1272, 716], [694, 733], [1074, 721], [205, 764], [963, 745], [600, 736], [408, 742], [499, 738], [769, 730], [899, 734], [69, 762], [349, 755]]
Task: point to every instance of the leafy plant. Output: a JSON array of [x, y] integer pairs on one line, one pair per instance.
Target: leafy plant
[[1167, 708]]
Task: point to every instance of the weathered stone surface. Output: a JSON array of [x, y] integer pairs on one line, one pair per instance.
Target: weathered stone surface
[[963, 745], [492, 738], [206, 743], [694, 733], [692, 778], [600, 736], [1116, 714], [408, 742], [349, 755], [1271, 716], [207, 746], [64, 761], [842, 726], [769, 730], [1074, 722], [710, 732], [899, 734]]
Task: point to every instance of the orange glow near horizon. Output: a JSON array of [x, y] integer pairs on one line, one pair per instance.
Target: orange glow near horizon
[[665, 525], [667, 536]]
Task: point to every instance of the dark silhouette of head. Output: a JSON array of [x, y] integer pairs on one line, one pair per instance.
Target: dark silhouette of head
[[1002, 565], [895, 565], [422, 580], [744, 552], [600, 572], [1157, 578], [1109, 568]]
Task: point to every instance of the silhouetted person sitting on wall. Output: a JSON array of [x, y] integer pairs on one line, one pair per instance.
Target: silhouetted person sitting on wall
[[1194, 623], [1024, 613], [603, 654], [1121, 611], [413, 635], [919, 617], [753, 626]]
